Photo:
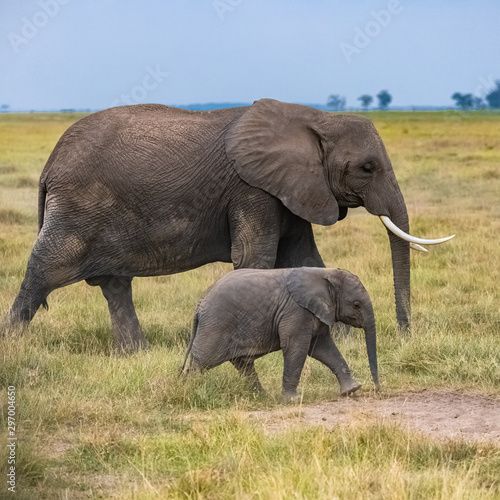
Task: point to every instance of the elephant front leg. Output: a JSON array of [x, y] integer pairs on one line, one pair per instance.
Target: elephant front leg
[[254, 229], [257, 251], [323, 349], [126, 328]]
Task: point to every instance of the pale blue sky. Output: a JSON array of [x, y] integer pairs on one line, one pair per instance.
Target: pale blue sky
[[99, 53]]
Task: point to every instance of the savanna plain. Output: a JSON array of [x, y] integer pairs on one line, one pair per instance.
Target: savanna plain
[[93, 424]]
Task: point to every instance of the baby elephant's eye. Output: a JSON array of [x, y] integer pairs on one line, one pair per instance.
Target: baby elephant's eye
[[357, 304], [367, 168]]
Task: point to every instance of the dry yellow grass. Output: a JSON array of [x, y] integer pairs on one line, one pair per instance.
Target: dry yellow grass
[[95, 425]]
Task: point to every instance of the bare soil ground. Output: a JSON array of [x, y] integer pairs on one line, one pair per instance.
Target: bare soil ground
[[438, 414]]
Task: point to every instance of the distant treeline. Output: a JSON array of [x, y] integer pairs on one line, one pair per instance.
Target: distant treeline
[[221, 105]]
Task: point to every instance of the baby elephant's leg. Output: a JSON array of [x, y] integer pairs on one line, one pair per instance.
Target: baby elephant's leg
[[295, 347], [323, 349], [246, 367]]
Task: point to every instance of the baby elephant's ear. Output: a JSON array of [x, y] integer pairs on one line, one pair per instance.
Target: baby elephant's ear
[[310, 288]]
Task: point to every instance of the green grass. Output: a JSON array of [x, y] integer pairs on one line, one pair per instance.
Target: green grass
[[92, 424]]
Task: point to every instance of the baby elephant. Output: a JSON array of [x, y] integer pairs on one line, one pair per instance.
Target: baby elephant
[[251, 312]]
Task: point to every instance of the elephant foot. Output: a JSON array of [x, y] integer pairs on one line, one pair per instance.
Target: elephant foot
[[9, 328], [288, 397], [348, 387]]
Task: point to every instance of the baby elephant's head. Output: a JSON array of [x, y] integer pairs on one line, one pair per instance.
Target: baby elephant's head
[[332, 295], [335, 295], [353, 303]]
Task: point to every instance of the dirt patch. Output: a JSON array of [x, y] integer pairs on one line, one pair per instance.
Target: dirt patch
[[440, 415]]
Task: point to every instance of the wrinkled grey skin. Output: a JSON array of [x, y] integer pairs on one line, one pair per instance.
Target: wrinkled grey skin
[[251, 312], [149, 190]]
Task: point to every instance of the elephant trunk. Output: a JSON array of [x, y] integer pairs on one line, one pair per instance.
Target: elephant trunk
[[400, 252], [371, 343]]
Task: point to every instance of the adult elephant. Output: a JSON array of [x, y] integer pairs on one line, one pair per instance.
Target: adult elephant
[[149, 190]]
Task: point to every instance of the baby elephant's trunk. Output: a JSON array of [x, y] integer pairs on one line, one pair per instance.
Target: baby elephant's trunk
[[371, 343]]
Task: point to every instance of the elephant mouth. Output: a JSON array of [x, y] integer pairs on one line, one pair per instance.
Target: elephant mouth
[[415, 243]]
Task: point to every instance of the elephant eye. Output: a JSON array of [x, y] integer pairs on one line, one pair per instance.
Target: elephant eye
[[357, 304], [367, 168]]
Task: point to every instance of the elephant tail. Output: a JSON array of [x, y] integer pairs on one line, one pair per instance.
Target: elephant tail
[[191, 342]]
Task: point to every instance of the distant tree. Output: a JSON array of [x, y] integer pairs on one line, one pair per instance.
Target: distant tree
[[462, 101], [493, 97], [384, 99], [4, 108], [467, 101], [366, 100], [336, 102]]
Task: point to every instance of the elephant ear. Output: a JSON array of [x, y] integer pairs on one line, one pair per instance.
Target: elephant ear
[[311, 288], [275, 146]]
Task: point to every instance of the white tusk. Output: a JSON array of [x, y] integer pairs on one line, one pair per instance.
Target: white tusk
[[418, 247], [407, 237]]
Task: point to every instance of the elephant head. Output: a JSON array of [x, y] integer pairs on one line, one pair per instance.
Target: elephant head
[[336, 295], [319, 164]]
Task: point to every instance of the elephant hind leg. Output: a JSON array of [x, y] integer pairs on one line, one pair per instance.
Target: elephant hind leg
[[49, 267], [31, 296], [295, 340], [126, 328], [246, 367]]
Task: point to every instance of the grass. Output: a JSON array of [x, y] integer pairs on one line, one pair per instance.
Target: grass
[[95, 425]]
